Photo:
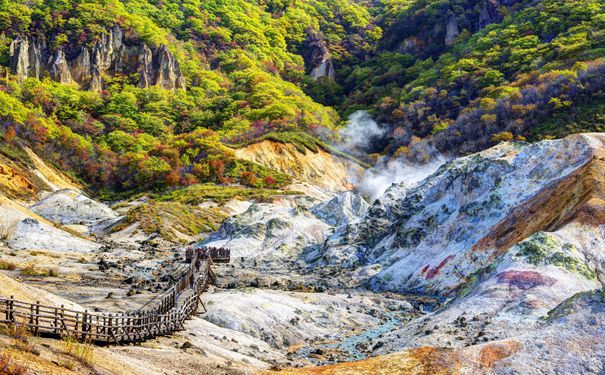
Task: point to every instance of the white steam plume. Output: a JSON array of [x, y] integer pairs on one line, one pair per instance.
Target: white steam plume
[[376, 180], [359, 132]]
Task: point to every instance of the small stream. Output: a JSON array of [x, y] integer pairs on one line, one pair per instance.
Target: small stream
[[349, 345]]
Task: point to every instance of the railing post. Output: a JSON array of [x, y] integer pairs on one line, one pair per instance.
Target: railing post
[[31, 316], [96, 328], [84, 325], [10, 307], [63, 324], [56, 320], [109, 329], [37, 317]]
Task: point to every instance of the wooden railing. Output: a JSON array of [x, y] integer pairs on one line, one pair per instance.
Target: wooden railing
[[217, 254], [162, 315]]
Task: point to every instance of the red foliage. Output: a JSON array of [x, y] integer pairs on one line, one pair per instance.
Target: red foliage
[[189, 179], [248, 178], [35, 131], [269, 181], [10, 134], [173, 178], [225, 180], [217, 169]]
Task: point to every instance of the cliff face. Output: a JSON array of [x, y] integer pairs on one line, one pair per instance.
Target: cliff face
[[112, 54], [451, 30], [318, 58]]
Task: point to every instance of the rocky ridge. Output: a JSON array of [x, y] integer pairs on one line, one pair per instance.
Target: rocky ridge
[[113, 53]]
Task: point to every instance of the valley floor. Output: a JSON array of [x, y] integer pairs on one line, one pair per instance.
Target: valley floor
[[246, 328]]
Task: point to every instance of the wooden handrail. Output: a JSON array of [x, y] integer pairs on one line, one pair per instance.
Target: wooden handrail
[[151, 320]]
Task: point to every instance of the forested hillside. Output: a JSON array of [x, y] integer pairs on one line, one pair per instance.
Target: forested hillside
[[144, 94], [466, 73], [92, 85]]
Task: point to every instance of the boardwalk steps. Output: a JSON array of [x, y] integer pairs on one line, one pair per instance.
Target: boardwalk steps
[[163, 315]]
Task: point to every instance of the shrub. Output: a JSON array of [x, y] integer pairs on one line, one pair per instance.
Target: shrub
[[7, 367], [9, 266], [249, 178], [52, 272], [10, 134], [502, 137], [269, 181], [6, 229], [31, 270], [83, 352]]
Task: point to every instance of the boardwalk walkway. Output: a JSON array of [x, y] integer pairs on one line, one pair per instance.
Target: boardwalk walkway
[[163, 315]]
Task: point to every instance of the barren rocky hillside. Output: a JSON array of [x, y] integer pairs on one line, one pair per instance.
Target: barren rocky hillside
[[484, 266]]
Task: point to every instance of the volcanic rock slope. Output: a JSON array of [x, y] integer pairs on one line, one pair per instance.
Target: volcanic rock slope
[[467, 217], [511, 239]]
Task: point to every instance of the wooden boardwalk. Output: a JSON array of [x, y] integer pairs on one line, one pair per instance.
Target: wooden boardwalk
[[163, 315]]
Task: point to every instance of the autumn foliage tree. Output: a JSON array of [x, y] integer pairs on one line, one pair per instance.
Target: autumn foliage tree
[[10, 134]]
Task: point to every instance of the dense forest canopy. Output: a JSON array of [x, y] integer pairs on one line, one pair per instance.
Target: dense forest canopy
[[448, 75]]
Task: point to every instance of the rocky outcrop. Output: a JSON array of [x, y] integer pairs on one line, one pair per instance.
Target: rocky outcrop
[[432, 237], [68, 206], [59, 69], [451, 30], [283, 229], [146, 67], [319, 168], [166, 68], [110, 54], [32, 234], [318, 59], [26, 57], [489, 13]]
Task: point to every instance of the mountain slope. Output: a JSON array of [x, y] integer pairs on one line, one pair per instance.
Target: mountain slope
[[160, 78], [456, 73]]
